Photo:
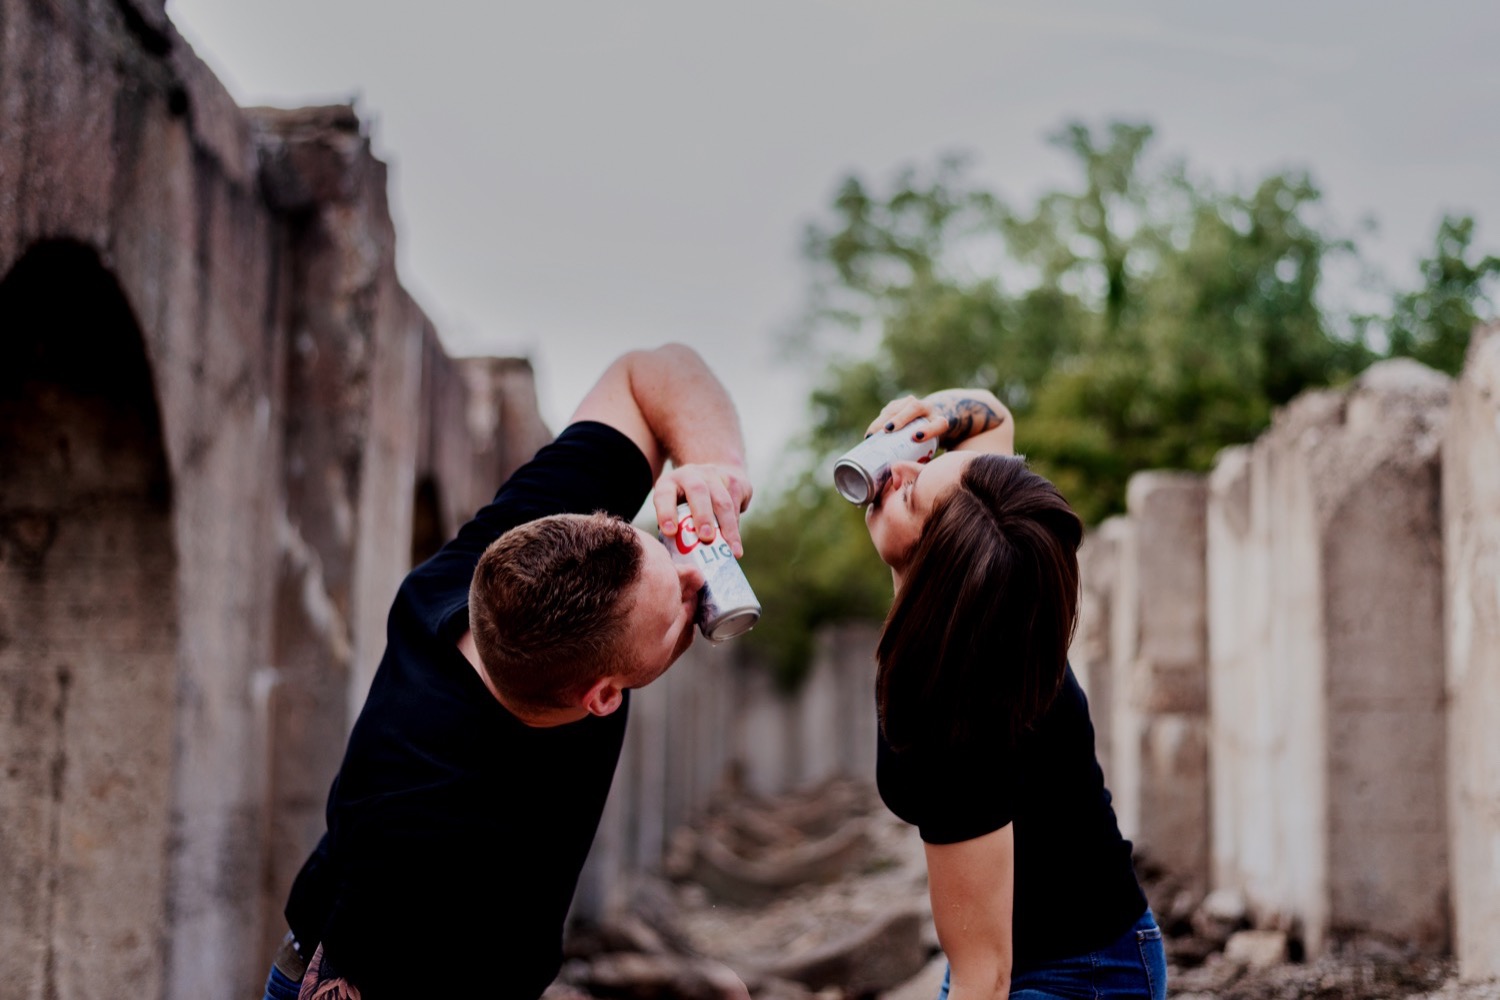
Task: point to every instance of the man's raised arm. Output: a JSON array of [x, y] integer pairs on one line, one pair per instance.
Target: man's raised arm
[[673, 408]]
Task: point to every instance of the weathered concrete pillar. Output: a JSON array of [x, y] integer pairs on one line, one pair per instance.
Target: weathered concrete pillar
[[675, 756], [699, 699], [1471, 523], [1327, 619], [820, 712], [833, 712], [1160, 716], [1123, 775], [765, 735], [88, 638], [458, 451], [521, 431], [351, 440], [1243, 799], [851, 657], [1098, 569]]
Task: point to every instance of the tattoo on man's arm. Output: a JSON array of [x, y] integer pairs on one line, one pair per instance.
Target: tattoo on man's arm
[[966, 418]]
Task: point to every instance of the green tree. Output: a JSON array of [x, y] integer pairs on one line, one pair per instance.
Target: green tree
[[1432, 324], [1139, 318]]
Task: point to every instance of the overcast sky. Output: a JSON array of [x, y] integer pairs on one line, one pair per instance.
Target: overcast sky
[[571, 179]]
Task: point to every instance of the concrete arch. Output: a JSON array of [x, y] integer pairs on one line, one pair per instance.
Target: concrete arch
[[88, 637], [429, 528]]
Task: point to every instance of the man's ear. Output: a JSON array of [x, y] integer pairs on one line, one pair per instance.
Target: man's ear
[[607, 694]]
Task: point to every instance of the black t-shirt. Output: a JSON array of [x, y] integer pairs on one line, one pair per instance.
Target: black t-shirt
[[456, 833], [1075, 887]]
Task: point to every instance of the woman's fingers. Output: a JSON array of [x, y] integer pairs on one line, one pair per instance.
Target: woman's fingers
[[900, 413], [893, 416]]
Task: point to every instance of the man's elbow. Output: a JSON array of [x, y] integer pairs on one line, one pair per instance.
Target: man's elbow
[[667, 359], [675, 354]]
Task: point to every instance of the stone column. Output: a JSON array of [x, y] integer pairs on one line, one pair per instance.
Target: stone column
[[1160, 717], [1098, 570], [1241, 741], [1327, 612], [1471, 523]]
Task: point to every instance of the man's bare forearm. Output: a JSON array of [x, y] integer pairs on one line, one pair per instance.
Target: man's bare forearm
[[686, 407]]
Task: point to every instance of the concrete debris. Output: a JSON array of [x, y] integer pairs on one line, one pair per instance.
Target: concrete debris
[[876, 957], [1256, 949], [1222, 913], [864, 930], [635, 976], [732, 878]]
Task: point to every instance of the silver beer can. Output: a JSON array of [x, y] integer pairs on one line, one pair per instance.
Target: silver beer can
[[862, 472], [726, 605]]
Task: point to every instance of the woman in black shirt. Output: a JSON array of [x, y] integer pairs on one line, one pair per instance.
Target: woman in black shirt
[[985, 739]]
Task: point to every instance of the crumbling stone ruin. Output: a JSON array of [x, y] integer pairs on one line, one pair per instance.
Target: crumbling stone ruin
[[1344, 589], [225, 430], [1293, 666]]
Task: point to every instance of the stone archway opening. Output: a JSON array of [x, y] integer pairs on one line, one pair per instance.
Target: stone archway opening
[[428, 533], [88, 637]]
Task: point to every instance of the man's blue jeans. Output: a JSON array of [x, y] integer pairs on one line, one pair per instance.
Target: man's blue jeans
[[280, 987], [1134, 967]]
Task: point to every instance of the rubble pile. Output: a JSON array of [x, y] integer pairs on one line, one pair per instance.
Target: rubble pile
[[1214, 953], [817, 894], [823, 894]]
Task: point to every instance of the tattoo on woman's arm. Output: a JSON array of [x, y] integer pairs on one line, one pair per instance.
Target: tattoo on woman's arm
[[966, 418]]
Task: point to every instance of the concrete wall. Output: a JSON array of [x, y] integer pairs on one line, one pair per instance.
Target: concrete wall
[[1098, 571], [1326, 626], [1321, 555], [212, 421], [1471, 515], [1159, 716], [88, 579]]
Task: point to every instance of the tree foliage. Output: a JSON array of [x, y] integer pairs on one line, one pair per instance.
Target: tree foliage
[[1432, 324], [1138, 318]]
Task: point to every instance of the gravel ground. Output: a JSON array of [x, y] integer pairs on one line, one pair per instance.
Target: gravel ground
[[895, 877], [1347, 973]]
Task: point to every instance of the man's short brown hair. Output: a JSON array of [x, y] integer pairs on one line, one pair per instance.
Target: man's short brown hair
[[548, 606]]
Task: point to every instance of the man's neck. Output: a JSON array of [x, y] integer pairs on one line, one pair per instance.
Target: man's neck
[[538, 720]]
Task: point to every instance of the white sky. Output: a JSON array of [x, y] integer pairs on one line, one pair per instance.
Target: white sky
[[572, 178]]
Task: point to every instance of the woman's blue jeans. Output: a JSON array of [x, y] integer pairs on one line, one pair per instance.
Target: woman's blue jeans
[[1134, 967]]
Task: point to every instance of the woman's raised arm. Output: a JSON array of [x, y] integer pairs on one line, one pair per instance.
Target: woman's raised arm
[[962, 419]]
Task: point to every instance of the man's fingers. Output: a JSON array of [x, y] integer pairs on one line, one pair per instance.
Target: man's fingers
[[701, 504], [715, 495], [727, 513], [664, 496]]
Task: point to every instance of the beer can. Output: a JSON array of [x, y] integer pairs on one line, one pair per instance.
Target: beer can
[[863, 471], [726, 605]]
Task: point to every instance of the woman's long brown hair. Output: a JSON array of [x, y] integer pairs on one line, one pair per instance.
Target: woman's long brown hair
[[976, 644]]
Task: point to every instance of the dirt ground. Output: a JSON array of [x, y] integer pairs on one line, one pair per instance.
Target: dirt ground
[[809, 940]]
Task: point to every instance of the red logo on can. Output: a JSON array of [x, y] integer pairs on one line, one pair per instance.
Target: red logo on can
[[687, 535]]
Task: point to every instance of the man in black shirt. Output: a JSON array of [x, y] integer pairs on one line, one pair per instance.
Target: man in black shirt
[[476, 774]]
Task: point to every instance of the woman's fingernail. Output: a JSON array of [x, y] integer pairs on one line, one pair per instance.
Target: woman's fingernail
[[869, 435], [891, 426], [919, 436]]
